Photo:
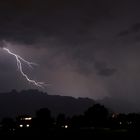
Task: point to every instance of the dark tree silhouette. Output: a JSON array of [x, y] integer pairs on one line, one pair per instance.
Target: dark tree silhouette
[[97, 115], [61, 120], [43, 119], [78, 121]]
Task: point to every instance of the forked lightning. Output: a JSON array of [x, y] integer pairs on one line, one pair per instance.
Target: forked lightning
[[19, 60]]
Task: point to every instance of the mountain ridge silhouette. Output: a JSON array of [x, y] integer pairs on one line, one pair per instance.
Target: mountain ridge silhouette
[[29, 101]]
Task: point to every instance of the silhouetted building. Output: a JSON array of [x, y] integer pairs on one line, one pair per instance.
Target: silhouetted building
[[24, 121]]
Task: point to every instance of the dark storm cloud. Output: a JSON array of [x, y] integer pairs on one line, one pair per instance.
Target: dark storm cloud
[[77, 44], [107, 72], [69, 23], [132, 30], [68, 20], [2, 43], [103, 69]]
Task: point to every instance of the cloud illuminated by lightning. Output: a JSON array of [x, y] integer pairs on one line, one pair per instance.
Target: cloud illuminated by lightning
[[19, 61]]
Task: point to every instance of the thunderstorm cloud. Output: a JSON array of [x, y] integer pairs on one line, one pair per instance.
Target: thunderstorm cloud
[[86, 48]]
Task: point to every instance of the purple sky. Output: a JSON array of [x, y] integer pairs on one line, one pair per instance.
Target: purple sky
[[87, 48]]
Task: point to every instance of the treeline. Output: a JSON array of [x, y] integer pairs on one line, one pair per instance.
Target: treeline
[[95, 117]]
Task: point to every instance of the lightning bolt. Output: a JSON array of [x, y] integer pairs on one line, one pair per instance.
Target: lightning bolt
[[19, 61]]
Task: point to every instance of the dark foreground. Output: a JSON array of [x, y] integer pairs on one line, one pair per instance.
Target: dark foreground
[[72, 134]]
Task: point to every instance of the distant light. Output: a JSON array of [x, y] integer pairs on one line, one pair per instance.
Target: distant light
[[27, 125], [120, 123], [130, 122], [66, 126], [28, 119], [21, 125], [115, 115]]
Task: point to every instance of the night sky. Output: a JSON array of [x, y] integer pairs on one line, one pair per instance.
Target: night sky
[[86, 48]]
